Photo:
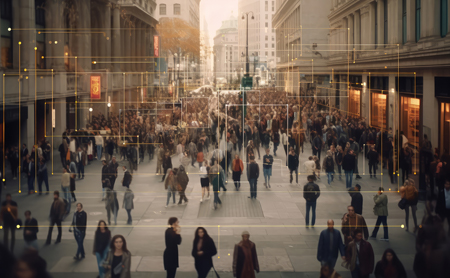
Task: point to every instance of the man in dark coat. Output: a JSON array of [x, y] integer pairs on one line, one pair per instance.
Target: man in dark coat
[[126, 177], [132, 158], [245, 259], [348, 164], [57, 212], [357, 199], [112, 169], [360, 256], [105, 176], [330, 242], [166, 164], [183, 181]]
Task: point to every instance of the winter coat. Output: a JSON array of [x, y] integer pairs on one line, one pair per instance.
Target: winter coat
[[170, 256], [357, 201], [366, 257], [128, 199], [182, 177], [126, 264], [205, 260], [348, 162], [111, 202], [381, 205], [239, 260]]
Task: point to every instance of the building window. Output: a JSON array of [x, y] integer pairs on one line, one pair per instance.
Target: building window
[[267, 6], [267, 24], [162, 9], [267, 53], [273, 53], [273, 39], [176, 9], [273, 45], [267, 38], [385, 15], [6, 36], [404, 22], [376, 23], [273, 6], [418, 5], [444, 18], [267, 16], [267, 45]]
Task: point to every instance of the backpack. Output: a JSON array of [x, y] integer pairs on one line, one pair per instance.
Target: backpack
[[329, 164]]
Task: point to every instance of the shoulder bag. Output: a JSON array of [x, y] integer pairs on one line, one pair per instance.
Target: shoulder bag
[[402, 203]]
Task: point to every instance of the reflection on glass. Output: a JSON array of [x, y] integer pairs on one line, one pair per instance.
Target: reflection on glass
[[354, 102], [379, 117], [445, 127]]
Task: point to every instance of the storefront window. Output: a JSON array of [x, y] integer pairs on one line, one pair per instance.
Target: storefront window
[[378, 114], [444, 130], [410, 120], [354, 102]]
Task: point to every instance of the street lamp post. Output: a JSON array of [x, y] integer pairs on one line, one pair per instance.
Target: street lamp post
[[247, 65]]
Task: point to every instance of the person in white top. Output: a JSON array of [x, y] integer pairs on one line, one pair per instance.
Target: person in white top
[[99, 143], [204, 179], [310, 166]]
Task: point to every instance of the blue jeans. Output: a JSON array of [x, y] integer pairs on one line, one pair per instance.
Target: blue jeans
[[99, 152], [330, 177], [267, 174], [253, 187], [348, 178], [130, 220], [169, 193], [381, 220], [310, 205], [100, 258], [216, 198], [66, 194], [79, 237]]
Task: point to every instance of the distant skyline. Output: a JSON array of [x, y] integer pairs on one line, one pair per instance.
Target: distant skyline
[[214, 12]]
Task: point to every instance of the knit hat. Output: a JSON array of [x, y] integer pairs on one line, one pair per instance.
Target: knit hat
[[245, 233]]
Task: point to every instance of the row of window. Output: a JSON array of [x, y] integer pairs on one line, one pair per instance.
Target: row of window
[[267, 6], [163, 9]]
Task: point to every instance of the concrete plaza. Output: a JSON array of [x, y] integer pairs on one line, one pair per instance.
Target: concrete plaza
[[275, 220]]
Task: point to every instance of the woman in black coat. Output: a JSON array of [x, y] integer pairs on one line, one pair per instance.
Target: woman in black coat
[[203, 250], [173, 239], [389, 266]]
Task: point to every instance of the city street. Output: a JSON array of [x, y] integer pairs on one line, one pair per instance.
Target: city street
[[275, 221]]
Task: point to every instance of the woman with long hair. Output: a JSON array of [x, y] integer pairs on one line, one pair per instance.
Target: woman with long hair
[[203, 250], [30, 265], [173, 239], [170, 185], [327, 271], [118, 261], [101, 245], [389, 266]]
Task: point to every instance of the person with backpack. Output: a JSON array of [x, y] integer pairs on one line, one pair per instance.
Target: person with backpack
[[410, 193], [311, 193], [293, 164], [328, 166]]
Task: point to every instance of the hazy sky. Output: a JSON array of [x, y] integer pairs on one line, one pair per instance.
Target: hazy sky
[[214, 12]]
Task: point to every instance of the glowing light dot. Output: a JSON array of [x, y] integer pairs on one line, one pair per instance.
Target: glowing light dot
[[20, 42], [228, 254], [35, 48], [402, 226], [56, 42], [18, 226], [9, 29]]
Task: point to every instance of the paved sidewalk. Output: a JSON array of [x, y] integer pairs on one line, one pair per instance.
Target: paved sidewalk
[[285, 247]]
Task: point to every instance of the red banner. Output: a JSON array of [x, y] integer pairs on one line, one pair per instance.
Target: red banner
[[95, 87], [156, 45]]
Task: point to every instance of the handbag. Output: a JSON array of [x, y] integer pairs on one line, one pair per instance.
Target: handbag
[[217, 275], [402, 203]]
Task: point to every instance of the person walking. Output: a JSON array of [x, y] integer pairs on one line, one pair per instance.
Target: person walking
[[409, 192], [30, 230], [183, 180], [167, 164], [31, 175], [113, 169], [293, 164], [132, 156], [245, 259], [357, 199], [8, 218], [311, 193], [101, 245], [72, 186], [339, 159], [99, 143], [351, 222], [42, 176], [111, 205], [172, 239], [118, 260], [310, 166], [372, 156], [328, 166], [267, 167], [204, 179], [327, 271], [330, 245], [81, 162], [128, 204], [389, 266], [356, 148], [160, 157], [65, 188], [381, 210], [252, 175], [127, 177], [238, 168], [348, 164], [203, 250], [170, 184], [317, 145], [105, 176], [57, 212], [216, 178], [79, 223], [359, 256]]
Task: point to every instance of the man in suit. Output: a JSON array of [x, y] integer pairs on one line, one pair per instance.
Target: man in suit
[[330, 243]]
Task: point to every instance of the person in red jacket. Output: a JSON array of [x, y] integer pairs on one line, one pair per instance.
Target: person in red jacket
[[359, 256]]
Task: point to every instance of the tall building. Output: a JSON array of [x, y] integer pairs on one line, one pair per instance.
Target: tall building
[[205, 55], [226, 56], [59, 69], [390, 62], [261, 37], [302, 45]]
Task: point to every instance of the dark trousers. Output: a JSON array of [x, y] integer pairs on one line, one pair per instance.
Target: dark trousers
[[405, 173], [79, 237], [182, 197], [381, 220], [202, 271], [112, 181], [80, 168], [50, 230], [43, 178], [171, 273], [356, 273], [285, 149], [373, 169], [130, 220], [310, 206], [237, 179], [253, 187], [165, 172], [63, 160], [6, 229], [296, 175]]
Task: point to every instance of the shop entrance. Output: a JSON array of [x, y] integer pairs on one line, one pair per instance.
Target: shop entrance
[[378, 115], [354, 102], [444, 129], [410, 125]]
